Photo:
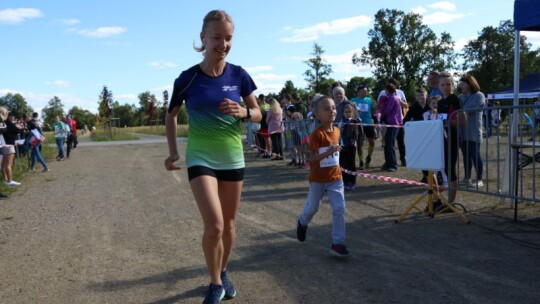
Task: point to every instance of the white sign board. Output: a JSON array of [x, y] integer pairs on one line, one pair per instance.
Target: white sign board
[[424, 143]]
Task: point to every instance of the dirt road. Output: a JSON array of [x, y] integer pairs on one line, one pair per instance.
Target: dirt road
[[110, 225]]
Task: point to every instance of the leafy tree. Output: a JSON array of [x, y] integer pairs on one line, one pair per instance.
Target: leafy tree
[[165, 106], [288, 88], [318, 69], [402, 47], [145, 99], [54, 108], [127, 114], [325, 86], [83, 117], [16, 104], [105, 103], [490, 57], [354, 82]]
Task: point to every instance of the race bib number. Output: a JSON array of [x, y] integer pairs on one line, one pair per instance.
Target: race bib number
[[363, 107], [442, 116], [329, 161]]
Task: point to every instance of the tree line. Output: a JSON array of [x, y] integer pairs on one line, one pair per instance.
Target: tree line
[[400, 46]]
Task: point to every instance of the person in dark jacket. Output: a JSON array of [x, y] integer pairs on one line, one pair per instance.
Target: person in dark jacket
[[7, 147]]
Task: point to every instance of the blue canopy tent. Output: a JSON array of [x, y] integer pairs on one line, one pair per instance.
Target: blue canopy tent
[[529, 87]]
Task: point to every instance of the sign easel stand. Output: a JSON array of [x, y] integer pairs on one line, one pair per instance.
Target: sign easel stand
[[430, 193]]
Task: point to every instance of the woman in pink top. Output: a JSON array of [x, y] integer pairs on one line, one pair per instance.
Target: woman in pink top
[[274, 119]]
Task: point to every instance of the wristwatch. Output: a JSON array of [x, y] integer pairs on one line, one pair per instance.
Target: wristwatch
[[248, 116]]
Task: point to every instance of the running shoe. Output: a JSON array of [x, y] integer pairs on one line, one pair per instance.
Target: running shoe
[[368, 160], [214, 295], [301, 231], [230, 292]]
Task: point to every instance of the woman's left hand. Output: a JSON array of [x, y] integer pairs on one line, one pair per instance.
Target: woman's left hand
[[232, 108]]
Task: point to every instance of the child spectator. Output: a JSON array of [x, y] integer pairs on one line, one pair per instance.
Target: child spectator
[[349, 132], [325, 177], [275, 128], [301, 139]]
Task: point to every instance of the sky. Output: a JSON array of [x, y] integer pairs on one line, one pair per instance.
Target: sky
[[71, 49]]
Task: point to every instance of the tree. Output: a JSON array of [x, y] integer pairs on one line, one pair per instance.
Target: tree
[[83, 117], [318, 69], [402, 47], [165, 106], [288, 88], [54, 108], [127, 114], [352, 85], [16, 104], [490, 57], [105, 103]]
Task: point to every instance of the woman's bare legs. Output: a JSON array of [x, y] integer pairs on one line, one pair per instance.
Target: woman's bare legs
[[218, 202]]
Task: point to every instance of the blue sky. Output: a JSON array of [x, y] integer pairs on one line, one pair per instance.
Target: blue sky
[[72, 48]]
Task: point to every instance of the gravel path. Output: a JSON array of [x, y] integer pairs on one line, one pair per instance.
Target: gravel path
[[110, 225]]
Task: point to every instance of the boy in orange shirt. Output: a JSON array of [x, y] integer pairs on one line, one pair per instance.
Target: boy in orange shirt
[[325, 176]]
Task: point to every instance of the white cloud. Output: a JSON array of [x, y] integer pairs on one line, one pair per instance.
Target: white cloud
[[334, 27], [69, 21], [441, 17], [444, 5], [420, 10], [125, 97], [102, 32], [533, 38], [18, 15], [460, 43], [162, 64], [58, 83]]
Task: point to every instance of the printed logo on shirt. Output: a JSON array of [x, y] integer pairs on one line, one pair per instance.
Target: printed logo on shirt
[[230, 88]]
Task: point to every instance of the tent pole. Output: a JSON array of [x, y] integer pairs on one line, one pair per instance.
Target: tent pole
[[514, 127]]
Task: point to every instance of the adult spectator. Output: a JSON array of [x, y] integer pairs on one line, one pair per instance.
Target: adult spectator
[[404, 107], [73, 126], [60, 135], [35, 152], [8, 147], [389, 107], [366, 109], [472, 101], [340, 100], [299, 105]]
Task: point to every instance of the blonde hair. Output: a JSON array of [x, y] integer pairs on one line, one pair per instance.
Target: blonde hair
[[275, 106], [215, 15], [3, 113]]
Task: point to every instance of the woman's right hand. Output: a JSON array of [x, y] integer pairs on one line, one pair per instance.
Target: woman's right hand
[[169, 162]]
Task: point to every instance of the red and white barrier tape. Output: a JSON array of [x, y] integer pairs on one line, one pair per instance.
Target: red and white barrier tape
[[390, 179]]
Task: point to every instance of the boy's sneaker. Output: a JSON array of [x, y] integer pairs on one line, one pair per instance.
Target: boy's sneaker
[[214, 295], [339, 250], [479, 183], [301, 231], [230, 292]]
